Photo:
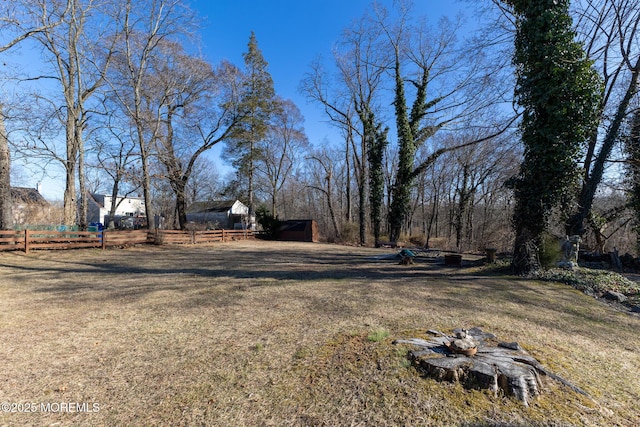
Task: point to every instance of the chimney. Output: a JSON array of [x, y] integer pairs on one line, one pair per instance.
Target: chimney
[[39, 187]]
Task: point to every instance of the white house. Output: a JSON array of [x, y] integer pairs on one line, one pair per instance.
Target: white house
[[130, 211], [227, 214]]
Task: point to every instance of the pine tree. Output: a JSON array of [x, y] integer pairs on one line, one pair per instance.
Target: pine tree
[[559, 92], [257, 102]]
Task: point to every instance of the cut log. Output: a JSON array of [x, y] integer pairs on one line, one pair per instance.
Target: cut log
[[500, 368]]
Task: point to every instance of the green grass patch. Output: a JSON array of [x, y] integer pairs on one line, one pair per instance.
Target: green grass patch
[[378, 335]]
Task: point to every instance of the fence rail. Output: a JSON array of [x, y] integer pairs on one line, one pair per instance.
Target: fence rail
[[27, 240], [180, 237], [126, 237], [11, 240]]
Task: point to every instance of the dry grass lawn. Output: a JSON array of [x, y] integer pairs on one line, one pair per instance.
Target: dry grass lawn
[[257, 333]]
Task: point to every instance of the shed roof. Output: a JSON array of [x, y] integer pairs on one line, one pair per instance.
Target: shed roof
[[211, 206], [28, 196]]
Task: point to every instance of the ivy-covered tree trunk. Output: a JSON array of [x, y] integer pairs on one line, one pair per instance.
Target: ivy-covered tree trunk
[[401, 202], [559, 93], [376, 142]]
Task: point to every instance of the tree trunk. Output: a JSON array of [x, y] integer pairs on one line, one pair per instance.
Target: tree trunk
[[632, 146], [348, 213], [332, 213], [375, 138], [146, 180], [70, 205], [84, 205], [114, 205], [362, 193], [69, 199], [181, 205], [6, 214], [525, 251], [463, 201], [273, 204], [433, 218], [250, 178]]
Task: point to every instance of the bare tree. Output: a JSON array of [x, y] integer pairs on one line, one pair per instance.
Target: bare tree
[[6, 214], [610, 30], [284, 146], [205, 181], [115, 157], [361, 60], [323, 175], [146, 24], [320, 87], [426, 60], [78, 64], [14, 22], [198, 109], [475, 166]]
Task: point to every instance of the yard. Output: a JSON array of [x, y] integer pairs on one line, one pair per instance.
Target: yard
[[259, 333]]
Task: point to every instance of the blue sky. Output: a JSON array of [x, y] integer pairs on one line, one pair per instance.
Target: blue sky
[[291, 34]]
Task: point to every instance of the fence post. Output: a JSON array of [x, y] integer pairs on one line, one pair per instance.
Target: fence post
[[104, 239], [26, 241]]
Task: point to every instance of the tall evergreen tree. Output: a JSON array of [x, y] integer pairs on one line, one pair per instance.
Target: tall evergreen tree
[[257, 103], [559, 93]]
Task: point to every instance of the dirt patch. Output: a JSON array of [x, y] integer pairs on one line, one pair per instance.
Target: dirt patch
[[263, 333]]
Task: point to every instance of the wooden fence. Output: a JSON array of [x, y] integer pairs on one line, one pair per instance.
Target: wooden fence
[[26, 240], [180, 237]]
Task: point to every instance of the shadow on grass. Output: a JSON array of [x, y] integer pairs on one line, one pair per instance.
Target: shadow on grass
[[208, 276]]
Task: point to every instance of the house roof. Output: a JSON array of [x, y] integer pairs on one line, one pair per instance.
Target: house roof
[[211, 206], [27, 196]]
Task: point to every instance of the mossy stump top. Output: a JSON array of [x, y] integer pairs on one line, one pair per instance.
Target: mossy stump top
[[477, 360]]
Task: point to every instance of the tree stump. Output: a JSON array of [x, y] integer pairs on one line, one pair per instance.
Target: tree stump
[[406, 260], [499, 367]]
